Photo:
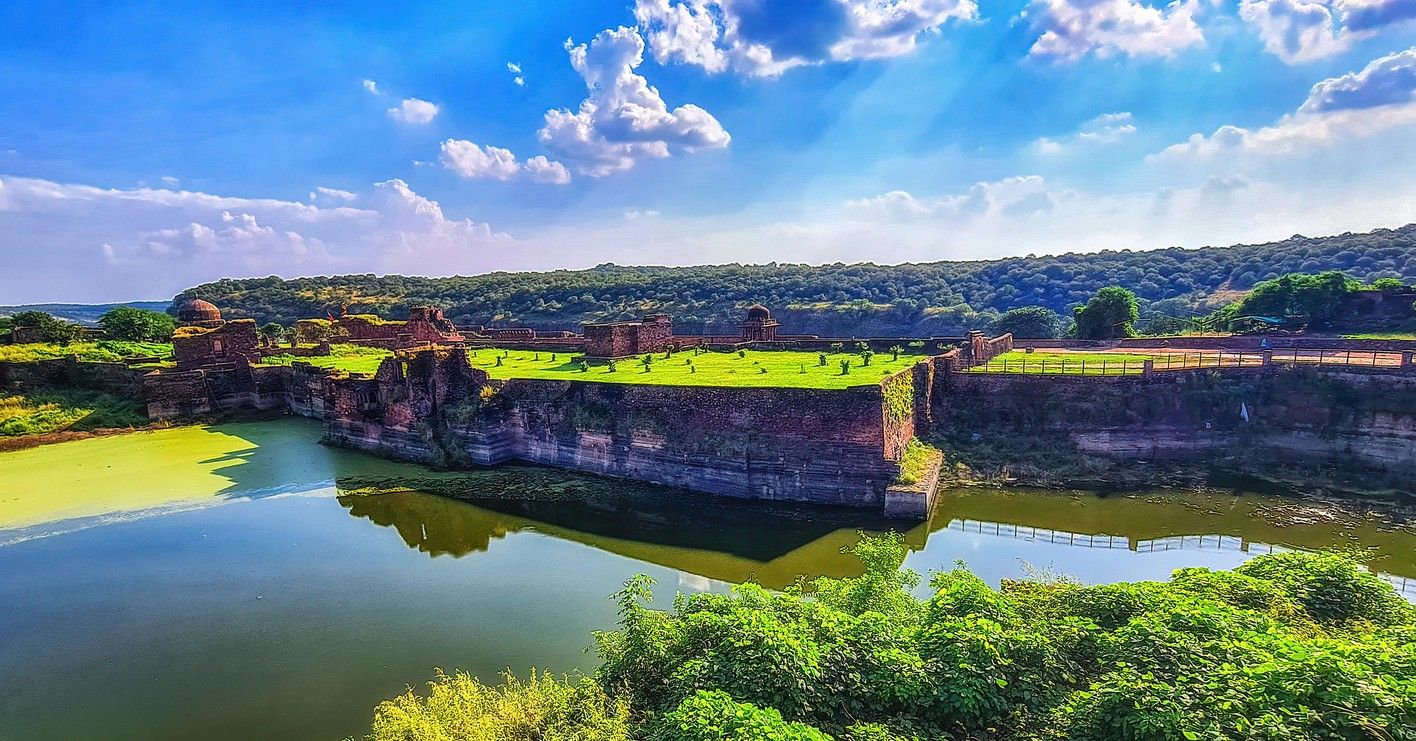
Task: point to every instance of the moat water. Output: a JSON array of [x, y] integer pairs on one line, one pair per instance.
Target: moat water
[[243, 581]]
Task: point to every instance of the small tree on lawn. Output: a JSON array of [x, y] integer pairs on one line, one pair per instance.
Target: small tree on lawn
[[845, 367]]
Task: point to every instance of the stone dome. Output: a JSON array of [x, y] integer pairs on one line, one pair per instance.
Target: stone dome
[[758, 311], [196, 310]]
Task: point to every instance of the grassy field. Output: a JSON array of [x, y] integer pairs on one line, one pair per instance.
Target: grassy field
[[753, 368], [1381, 336], [103, 351], [346, 358], [52, 411]]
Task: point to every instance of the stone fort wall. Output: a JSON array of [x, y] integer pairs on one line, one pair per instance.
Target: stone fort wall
[[806, 445]]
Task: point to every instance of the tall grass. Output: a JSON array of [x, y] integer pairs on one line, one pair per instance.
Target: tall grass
[[54, 411]]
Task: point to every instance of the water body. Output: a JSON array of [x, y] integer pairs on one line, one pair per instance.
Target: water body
[[242, 581]]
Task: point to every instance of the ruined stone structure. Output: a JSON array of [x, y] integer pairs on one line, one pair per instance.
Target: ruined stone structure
[[836, 446], [759, 325], [204, 339], [654, 333], [425, 326]]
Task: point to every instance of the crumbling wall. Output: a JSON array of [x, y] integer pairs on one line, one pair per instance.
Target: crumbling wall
[[1278, 414]]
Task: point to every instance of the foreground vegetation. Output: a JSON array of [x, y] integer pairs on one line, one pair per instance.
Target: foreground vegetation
[[1291, 646], [103, 351], [58, 410], [938, 298]]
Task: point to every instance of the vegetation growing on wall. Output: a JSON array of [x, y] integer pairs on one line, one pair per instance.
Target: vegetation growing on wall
[[1293, 645], [927, 298]]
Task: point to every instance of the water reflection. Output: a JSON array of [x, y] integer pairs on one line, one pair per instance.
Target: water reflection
[[731, 541]]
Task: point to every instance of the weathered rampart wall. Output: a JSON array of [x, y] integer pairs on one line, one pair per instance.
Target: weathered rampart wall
[[812, 445], [69, 373], [1306, 414]]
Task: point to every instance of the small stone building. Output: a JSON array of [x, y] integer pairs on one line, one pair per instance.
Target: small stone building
[[425, 326], [204, 339], [759, 325], [653, 333]]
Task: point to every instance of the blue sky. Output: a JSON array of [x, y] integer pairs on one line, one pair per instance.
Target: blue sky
[[150, 146]]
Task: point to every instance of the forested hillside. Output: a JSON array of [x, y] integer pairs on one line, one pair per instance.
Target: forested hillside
[[861, 299]]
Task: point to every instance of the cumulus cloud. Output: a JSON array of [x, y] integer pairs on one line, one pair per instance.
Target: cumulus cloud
[[1300, 31], [765, 39], [1070, 29], [414, 111], [371, 87], [623, 119], [84, 242], [1356, 105], [471, 160], [517, 78]]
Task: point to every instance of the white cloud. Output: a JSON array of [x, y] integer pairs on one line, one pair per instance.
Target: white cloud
[[1357, 105], [414, 111], [516, 77], [765, 39], [1300, 31], [1071, 29], [371, 87], [1108, 128], [623, 119], [475, 161], [322, 194], [544, 170], [1010, 197], [471, 160], [83, 242], [1389, 80]]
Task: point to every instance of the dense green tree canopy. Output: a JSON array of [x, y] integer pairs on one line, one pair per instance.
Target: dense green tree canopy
[[1287, 646], [51, 328], [137, 325], [1028, 323], [943, 298], [1111, 313]]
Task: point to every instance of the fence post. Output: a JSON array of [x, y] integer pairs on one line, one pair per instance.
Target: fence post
[[1147, 366], [1408, 361], [1268, 357]]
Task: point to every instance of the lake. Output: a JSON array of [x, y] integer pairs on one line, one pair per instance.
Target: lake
[[242, 581]]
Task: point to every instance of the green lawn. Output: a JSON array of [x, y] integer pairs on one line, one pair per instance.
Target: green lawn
[[51, 411], [346, 358], [1381, 336], [754, 368], [107, 351]]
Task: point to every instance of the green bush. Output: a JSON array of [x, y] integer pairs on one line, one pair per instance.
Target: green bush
[[543, 708], [714, 716], [1288, 646]]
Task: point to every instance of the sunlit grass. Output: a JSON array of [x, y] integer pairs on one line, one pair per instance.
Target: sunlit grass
[[750, 368], [54, 411], [346, 358], [103, 351]]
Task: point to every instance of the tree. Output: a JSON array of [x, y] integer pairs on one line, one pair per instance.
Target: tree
[[274, 330], [1028, 323], [1309, 299], [1388, 284], [138, 325], [1107, 315], [50, 328]]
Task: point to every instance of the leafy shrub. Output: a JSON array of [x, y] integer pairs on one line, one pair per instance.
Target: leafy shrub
[[714, 716], [1331, 587], [543, 708]]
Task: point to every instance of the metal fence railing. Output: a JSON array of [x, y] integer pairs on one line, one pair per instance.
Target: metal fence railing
[[1176, 361]]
